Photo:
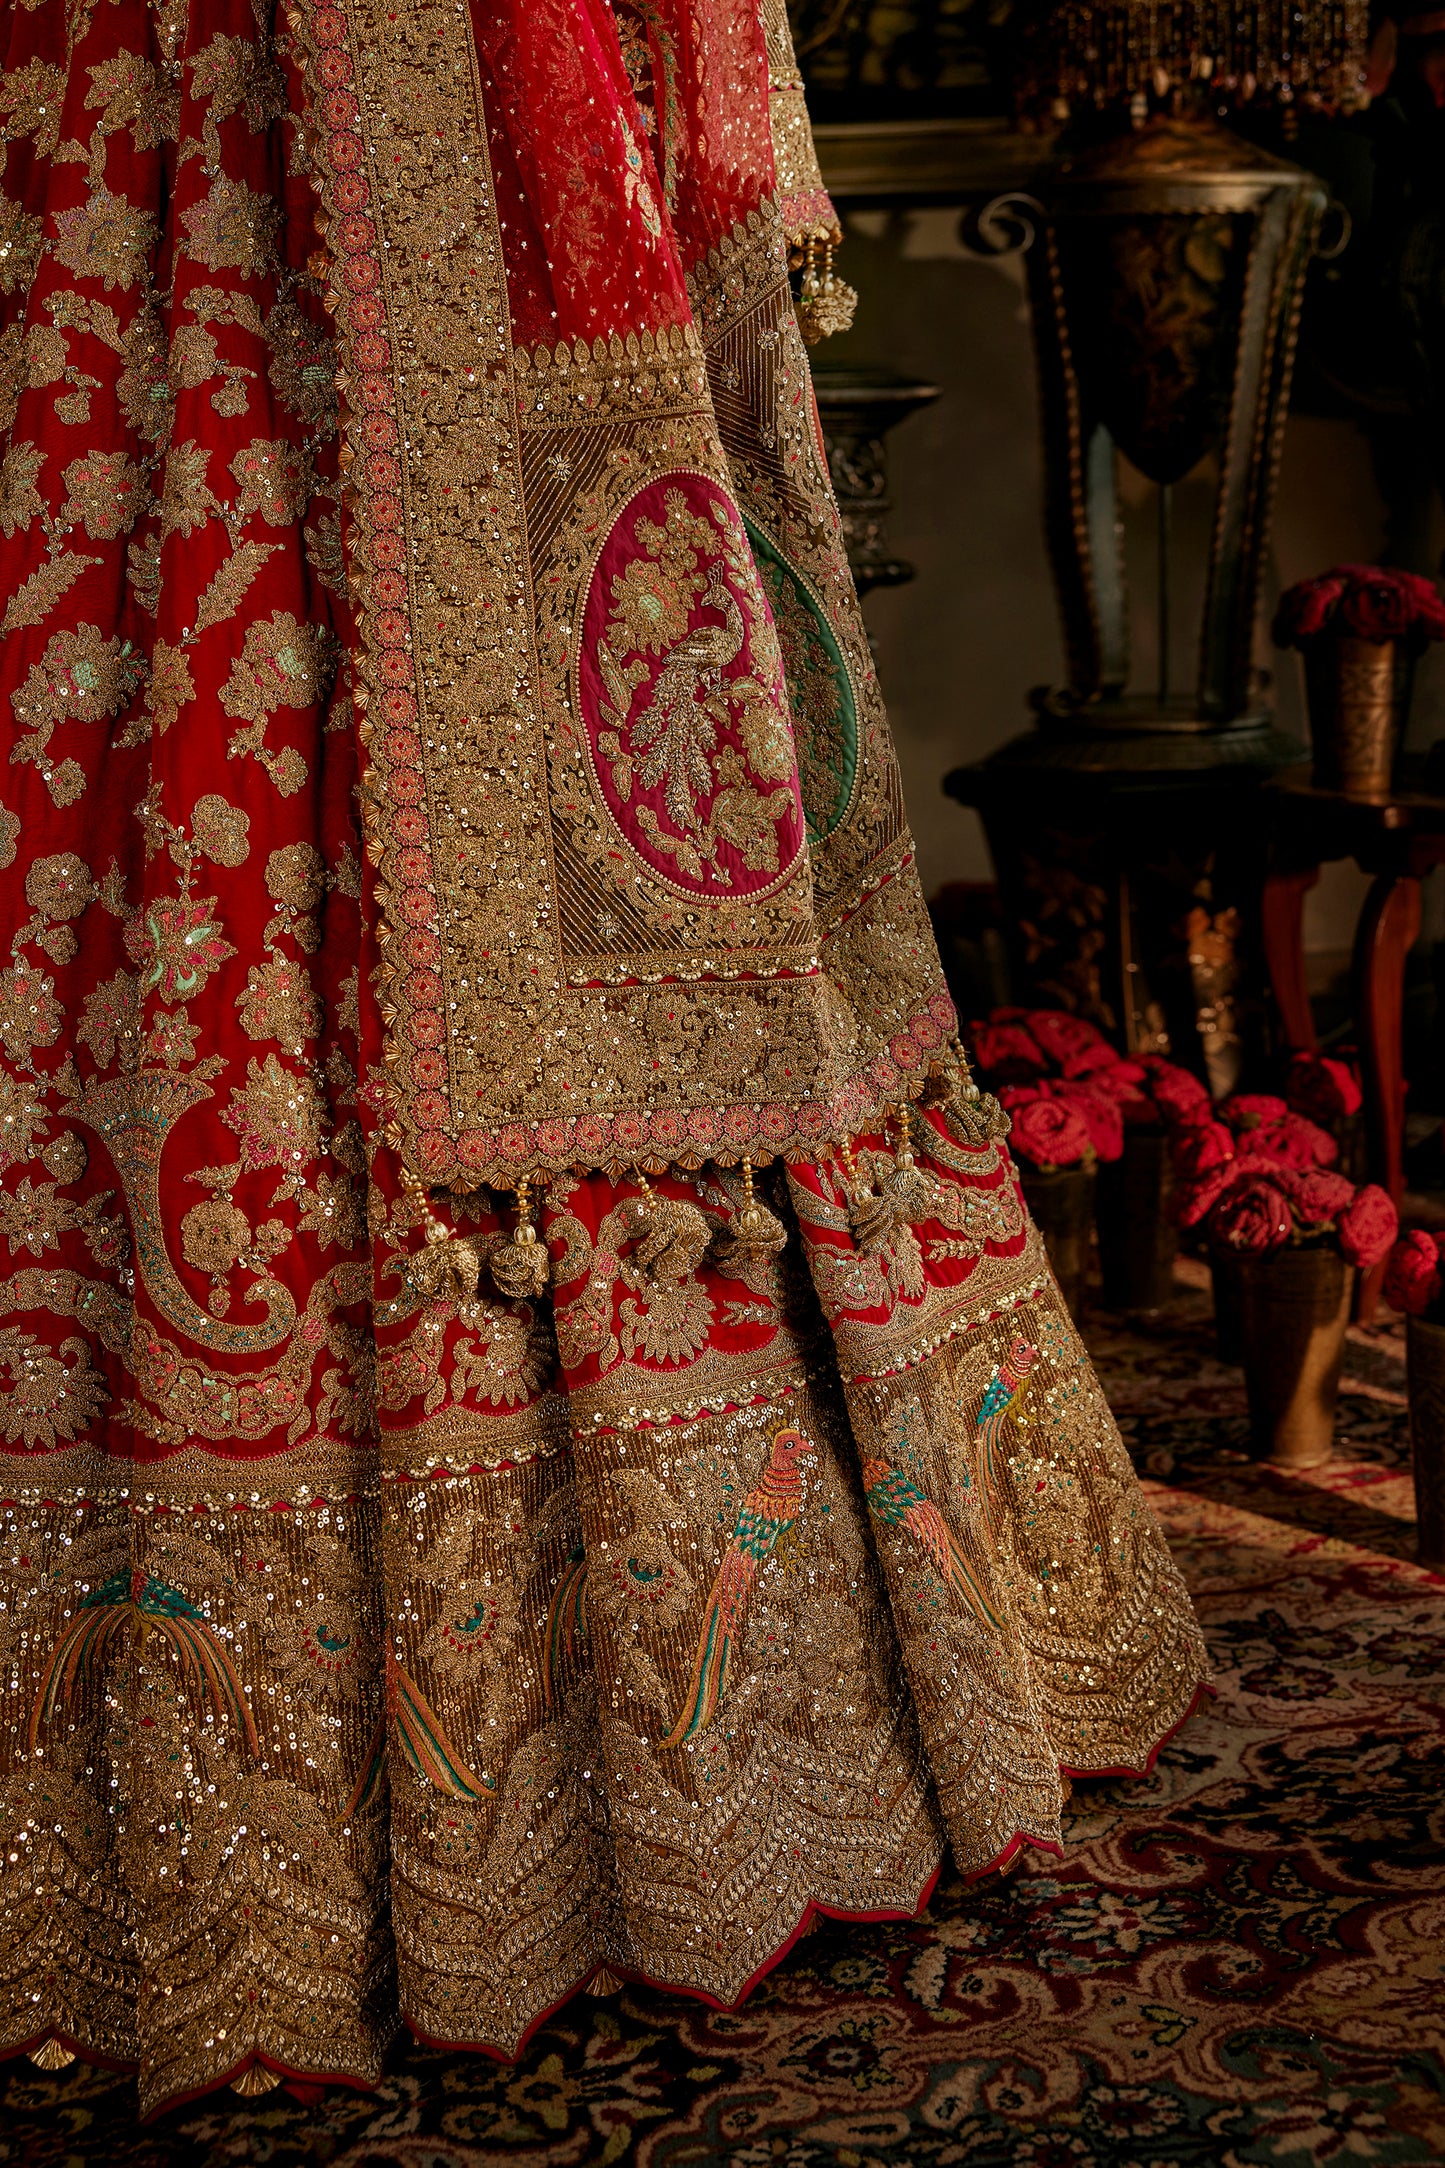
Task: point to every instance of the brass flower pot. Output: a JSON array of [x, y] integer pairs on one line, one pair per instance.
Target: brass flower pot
[[1354, 703], [1294, 1307], [1062, 1205], [1137, 1238], [1425, 1366]]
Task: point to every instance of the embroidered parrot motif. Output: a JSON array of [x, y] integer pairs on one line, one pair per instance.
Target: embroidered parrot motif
[[769, 1511], [566, 1619], [138, 1600], [1005, 1390], [410, 1718], [896, 1500]]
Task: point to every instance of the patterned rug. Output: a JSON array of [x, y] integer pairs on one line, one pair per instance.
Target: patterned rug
[[1240, 1960]]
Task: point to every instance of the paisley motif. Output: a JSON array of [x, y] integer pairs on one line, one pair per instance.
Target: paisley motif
[[680, 688], [820, 689]]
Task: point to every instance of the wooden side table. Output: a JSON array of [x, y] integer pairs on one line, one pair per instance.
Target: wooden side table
[[1399, 840]]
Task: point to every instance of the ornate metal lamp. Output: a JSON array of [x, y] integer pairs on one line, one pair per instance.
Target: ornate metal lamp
[[1166, 267]]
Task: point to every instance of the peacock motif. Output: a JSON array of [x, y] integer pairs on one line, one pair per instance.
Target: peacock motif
[[137, 1600]]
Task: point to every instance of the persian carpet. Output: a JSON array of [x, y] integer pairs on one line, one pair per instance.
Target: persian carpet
[[1238, 1961]]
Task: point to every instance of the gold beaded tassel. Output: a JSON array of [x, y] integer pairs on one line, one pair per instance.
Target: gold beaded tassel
[[912, 1191], [825, 303], [520, 1266], [672, 1235], [974, 1117], [447, 1264], [755, 1232], [871, 1216]]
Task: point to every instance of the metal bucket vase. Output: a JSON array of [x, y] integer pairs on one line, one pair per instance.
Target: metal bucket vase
[[1062, 1205], [1228, 1318], [1294, 1307], [1425, 1364], [1137, 1238], [1355, 713]]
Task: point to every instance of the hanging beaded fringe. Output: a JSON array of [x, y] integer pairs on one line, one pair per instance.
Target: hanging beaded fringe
[[520, 1267], [673, 1237], [825, 303], [753, 1232], [1087, 55], [448, 1264]]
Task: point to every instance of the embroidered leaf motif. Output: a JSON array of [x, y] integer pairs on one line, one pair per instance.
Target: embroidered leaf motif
[[227, 590], [35, 598]]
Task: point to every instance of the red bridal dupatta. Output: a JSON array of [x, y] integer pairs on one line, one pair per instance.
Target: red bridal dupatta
[[539, 1443]]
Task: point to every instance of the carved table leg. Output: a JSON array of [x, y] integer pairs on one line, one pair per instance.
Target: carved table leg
[[1387, 931], [1282, 910]]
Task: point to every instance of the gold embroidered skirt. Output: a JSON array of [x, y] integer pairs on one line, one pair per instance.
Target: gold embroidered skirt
[[401, 1620]]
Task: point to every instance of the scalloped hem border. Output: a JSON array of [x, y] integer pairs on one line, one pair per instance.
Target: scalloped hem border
[[306, 2084]]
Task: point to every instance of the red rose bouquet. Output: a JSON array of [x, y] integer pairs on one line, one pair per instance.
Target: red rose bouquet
[[1415, 1276], [1047, 1057], [1261, 1176], [1363, 602]]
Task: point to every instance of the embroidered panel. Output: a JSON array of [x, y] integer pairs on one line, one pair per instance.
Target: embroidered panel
[[514, 822]]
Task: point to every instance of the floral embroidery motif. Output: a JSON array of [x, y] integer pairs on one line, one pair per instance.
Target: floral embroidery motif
[[682, 691]]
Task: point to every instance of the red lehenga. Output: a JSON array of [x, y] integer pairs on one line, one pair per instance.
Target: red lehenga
[[538, 1438]]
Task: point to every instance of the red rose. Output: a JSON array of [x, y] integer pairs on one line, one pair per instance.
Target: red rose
[[1124, 1083], [1101, 1115], [1294, 1142], [1429, 620], [1252, 1217], [1179, 1095], [1325, 1090], [1199, 1146], [1315, 1196], [1050, 1133], [1062, 1035], [1412, 1277], [1375, 605], [1246, 1110], [1121, 1079], [1194, 1201], [1006, 1053], [1091, 1060], [1012, 1096], [1367, 1227], [1307, 609]]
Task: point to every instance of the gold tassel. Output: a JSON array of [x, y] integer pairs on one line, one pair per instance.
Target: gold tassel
[[871, 1216], [50, 2055], [520, 1267], [913, 1191], [973, 1117], [604, 1981], [448, 1264], [256, 2079], [753, 1232], [825, 303], [671, 1235]]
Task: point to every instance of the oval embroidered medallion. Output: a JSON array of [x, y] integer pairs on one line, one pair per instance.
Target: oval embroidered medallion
[[681, 692], [820, 689]]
